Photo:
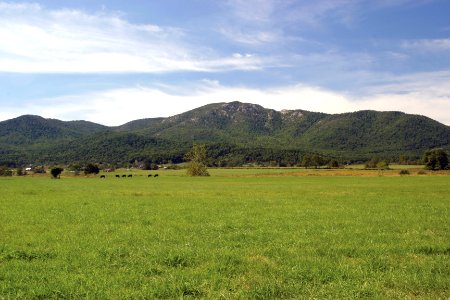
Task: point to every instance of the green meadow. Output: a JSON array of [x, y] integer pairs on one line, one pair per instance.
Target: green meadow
[[258, 234]]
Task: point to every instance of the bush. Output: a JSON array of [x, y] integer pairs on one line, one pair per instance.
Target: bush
[[91, 169], [197, 164], [333, 164], [421, 172], [75, 167], [173, 167], [5, 171], [39, 170], [384, 165], [56, 172], [375, 163], [197, 169], [404, 172], [436, 159]]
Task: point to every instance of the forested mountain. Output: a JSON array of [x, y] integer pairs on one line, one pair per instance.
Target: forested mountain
[[234, 132], [30, 129]]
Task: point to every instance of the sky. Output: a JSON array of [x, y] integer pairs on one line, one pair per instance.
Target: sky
[[112, 62]]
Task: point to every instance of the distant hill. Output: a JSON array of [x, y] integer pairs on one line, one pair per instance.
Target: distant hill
[[234, 131], [372, 133], [30, 129]]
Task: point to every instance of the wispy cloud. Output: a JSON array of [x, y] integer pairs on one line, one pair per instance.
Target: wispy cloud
[[277, 12], [428, 45], [262, 35], [321, 12], [250, 37], [39, 40], [254, 11], [252, 21]]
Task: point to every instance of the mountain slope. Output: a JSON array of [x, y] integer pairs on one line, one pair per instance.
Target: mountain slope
[[357, 135], [238, 123], [374, 133], [30, 129], [229, 128]]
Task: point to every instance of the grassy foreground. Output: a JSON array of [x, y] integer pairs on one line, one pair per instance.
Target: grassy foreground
[[225, 237]]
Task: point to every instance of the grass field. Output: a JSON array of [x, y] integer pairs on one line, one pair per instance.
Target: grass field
[[237, 234]]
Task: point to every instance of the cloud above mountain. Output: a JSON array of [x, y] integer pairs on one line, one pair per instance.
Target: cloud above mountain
[[109, 108], [119, 61]]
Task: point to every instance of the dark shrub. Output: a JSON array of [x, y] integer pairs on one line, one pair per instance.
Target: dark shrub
[[91, 169], [56, 172], [436, 159]]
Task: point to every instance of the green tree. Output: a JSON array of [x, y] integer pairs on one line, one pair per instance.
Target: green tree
[[91, 169], [75, 167], [307, 161], [147, 164], [197, 157], [318, 160], [436, 159], [376, 163], [19, 172], [333, 164], [56, 172], [5, 171]]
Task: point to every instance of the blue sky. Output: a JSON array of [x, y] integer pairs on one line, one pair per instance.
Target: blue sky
[[115, 61]]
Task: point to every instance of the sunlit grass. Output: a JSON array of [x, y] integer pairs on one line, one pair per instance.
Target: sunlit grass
[[230, 235]]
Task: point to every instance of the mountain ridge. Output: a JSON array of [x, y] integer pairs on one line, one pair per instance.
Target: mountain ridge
[[238, 127]]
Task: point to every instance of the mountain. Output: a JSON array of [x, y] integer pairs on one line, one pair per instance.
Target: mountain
[[30, 129], [234, 122], [363, 132], [376, 133], [235, 133]]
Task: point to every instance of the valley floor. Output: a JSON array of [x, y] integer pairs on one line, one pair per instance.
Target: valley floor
[[246, 233]]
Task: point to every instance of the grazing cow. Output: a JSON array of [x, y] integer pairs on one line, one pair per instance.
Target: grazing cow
[[103, 176], [118, 176], [156, 175], [124, 175], [149, 175], [130, 175]]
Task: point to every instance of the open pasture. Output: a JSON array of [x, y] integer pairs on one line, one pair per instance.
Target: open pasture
[[353, 170], [236, 234]]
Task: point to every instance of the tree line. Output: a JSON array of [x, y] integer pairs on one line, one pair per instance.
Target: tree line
[[201, 156]]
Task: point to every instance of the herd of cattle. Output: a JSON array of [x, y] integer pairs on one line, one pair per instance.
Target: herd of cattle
[[129, 175]]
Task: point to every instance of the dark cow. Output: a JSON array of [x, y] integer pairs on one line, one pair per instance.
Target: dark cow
[[124, 175], [102, 176], [118, 176], [149, 175], [156, 175], [130, 175]]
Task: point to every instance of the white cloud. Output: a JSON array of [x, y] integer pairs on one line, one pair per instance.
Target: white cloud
[[115, 107], [318, 13], [19, 7], [304, 15], [428, 45], [249, 36], [261, 22], [39, 40], [259, 11], [282, 12]]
